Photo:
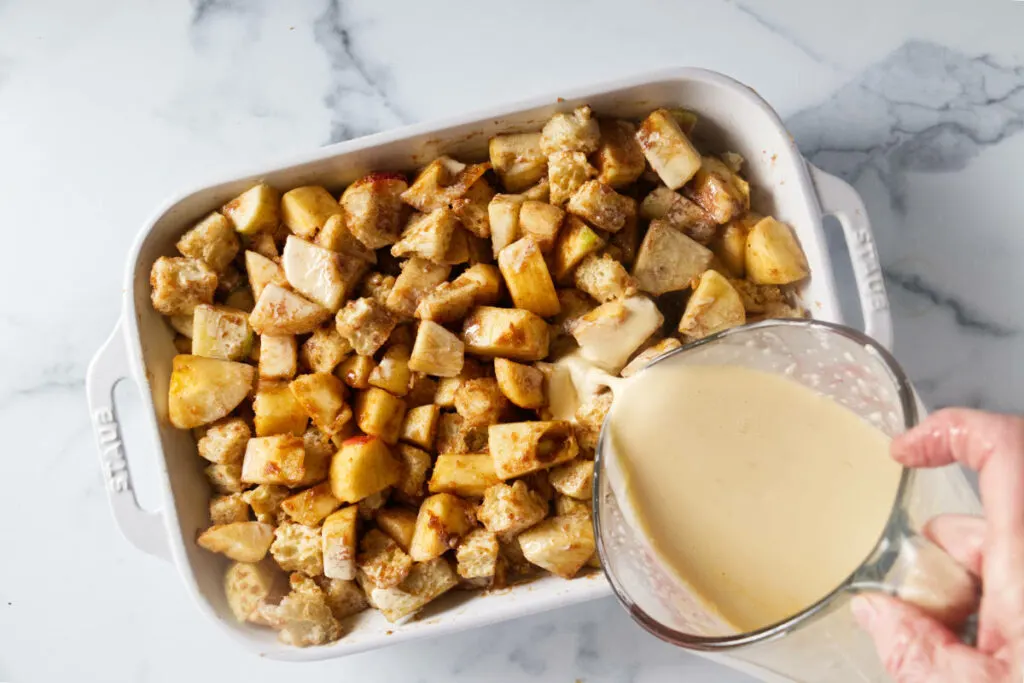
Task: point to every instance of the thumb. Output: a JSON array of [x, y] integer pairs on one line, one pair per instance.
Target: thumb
[[914, 648]]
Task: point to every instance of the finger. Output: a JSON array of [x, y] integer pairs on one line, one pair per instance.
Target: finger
[[917, 649], [962, 536]]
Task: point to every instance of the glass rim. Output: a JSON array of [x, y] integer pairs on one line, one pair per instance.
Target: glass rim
[[908, 404]]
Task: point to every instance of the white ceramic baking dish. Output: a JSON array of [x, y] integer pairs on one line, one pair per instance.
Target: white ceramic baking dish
[[732, 117]]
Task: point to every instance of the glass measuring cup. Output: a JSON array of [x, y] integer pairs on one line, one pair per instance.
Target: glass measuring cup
[[820, 644]]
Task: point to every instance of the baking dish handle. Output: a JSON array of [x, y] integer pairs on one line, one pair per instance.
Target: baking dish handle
[[839, 199], [145, 530]]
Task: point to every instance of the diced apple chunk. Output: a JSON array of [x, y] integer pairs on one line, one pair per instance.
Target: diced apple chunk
[[255, 210], [518, 160], [668, 260], [362, 467], [561, 545], [437, 351], [715, 305], [203, 390], [305, 210], [773, 256], [315, 273], [609, 334], [667, 149], [240, 541], [280, 311]]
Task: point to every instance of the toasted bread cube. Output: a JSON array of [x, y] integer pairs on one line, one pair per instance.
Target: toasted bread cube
[[601, 206], [225, 478], [724, 195], [418, 278], [540, 222], [680, 213], [507, 332], [378, 286], [279, 311], [203, 390], [305, 210], [451, 301], [317, 274], [304, 618], [521, 384], [224, 442], [765, 301], [714, 305], [277, 411], [311, 506], [415, 463], [355, 371], [373, 208], [250, 587], [730, 244], [278, 459], [519, 448], [565, 505], [575, 242], [325, 349], [365, 324], [567, 170], [480, 401], [265, 501], [574, 479], [319, 451], [441, 521], [437, 351], [298, 548], [477, 555], [380, 414], [576, 131], [221, 332], [336, 236], [509, 509], [345, 598], [362, 467], [255, 210], [442, 181], [503, 214], [773, 256], [228, 509], [427, 235], [399, 524], [619, 159], [561, 545], [609, 334], [322, 396], [180, 284], [393, 374], [240, 541], [518, 160], [668, 260], [338, 543], [667, 149], [369, 506], [471, 209], [382, 561], [648, 355], [464, 474], [420, 426], [212, 241], [262, 272], [425, 582], [588, 420], [603, 278]]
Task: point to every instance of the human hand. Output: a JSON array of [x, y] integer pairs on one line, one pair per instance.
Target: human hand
[[914, 647]]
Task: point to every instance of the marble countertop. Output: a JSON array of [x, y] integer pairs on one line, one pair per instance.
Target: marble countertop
[[107, 107]]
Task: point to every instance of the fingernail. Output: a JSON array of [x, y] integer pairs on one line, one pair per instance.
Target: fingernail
[[863, 610]]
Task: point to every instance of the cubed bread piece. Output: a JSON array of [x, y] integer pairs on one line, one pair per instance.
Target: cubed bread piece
[[479, 285], [203, 390], [221, 332], [345, 598], [336, 236], [437, 351], [224, 442], [442, 519], [374, 211], [377, 286], [773, 255], [311, 506], [446, 386], [240, 541], [576, 240], [303, 618], [603, 278], [277, 411], [519, 448], [680, 213], [518, 160], [477, 555], [415, 463], [442, 181], [250, 587], [588, 420], [509, 509], [324, 349], [575, 131], [319, 451], [305, 210], [212, 240], [255, 210], [355, 371], [297, 548], [715, 305], [265, 501], [420, 426], [382, 561], [224, 478], [392, 373], [262, 272], [645, 357], [521, 384], [463, 474], [426, 581], [507, 332], [722, 194], [619, 159], [180, 284], [363, 466], [380, 414], [561, 545], [575, 478], [668, 260], [318, 273], [228, 508], [567, 170], [503, 214], [609, 334], [471, 208], [419, 277], [278, 459], [730, 244], [280, 311], [427, 235], [667, 149], [338, 543], [365, 324], [601, 206], [480, 401]]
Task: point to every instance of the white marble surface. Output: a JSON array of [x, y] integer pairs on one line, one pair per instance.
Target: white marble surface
[[108, 106]]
